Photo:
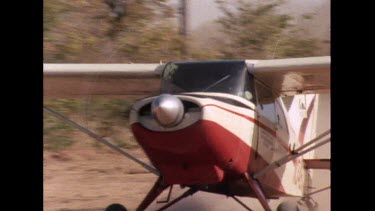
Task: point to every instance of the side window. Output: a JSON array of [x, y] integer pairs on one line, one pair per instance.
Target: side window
[[266, 103], [281, 118]]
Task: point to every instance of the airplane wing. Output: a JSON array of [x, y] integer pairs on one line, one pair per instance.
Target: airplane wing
[[293, 76], [67, 80], [284, 76]]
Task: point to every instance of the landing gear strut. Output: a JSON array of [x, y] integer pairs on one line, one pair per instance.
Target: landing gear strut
[[156, 190], [258, 191]]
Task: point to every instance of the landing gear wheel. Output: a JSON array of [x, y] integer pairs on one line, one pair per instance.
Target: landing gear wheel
[[288, 206], [115, 207]]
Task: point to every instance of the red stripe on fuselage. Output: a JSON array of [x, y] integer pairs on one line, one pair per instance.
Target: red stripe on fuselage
[[255, 121], [272, 132]]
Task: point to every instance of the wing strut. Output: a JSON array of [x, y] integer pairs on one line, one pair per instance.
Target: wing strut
[[295, 153], [101, 139], [258, 191], [317, 191]]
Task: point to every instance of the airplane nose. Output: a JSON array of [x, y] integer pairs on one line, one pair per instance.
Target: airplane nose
[[167, 110]]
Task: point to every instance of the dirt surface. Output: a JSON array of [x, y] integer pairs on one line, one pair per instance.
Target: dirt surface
[[89, 178]]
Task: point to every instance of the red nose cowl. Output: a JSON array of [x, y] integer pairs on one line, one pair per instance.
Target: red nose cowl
[[202, 153]]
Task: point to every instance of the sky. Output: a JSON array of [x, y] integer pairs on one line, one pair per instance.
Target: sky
[[202, 11]]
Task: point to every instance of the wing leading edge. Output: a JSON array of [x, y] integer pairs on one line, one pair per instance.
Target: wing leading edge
[[70, 80], [293, 76]]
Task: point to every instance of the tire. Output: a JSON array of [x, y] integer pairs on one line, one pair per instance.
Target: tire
[[288, 206], [115, 207]]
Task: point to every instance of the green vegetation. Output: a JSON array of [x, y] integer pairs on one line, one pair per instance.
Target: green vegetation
[[83, 31], [106, 117], [257, 31], [58, 142], [128, 143], [56, 133]]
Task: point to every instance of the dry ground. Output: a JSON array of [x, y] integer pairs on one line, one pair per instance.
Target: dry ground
[[89, 178], [92, 178]]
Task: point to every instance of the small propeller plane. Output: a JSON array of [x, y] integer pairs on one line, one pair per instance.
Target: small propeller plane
[[214, 126]]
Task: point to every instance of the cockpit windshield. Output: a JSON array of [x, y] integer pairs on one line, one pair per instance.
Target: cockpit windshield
[[216, 76]]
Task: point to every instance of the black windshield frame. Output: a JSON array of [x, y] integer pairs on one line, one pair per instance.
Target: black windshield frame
[[230, 77]]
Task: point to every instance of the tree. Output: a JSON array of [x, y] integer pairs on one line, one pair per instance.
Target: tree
[[110, 31], [258, 31]]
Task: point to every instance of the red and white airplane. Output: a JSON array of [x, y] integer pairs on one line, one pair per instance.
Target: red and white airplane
[[216, 126]]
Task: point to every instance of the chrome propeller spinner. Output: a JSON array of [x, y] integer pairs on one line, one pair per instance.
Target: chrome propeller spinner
[[167, 110]]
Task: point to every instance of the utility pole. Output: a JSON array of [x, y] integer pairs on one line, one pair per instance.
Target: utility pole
[[183, 26], [183, 17]]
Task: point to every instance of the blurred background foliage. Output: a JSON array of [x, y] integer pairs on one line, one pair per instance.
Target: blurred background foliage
[[124, 31], [258, 30], [106, 117], [109, 31]]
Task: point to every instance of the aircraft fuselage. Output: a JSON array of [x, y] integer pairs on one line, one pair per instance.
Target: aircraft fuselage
[[232, 126]]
